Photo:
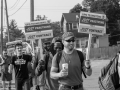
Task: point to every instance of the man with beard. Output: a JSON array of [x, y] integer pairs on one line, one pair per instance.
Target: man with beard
[[4, 69], [69, 69]]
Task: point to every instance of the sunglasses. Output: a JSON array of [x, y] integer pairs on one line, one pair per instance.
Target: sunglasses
[[70, 40]]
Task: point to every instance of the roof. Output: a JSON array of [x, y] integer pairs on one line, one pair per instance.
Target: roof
[[70, 17]]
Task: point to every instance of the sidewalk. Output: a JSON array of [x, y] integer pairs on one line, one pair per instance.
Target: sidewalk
[[91, 83]]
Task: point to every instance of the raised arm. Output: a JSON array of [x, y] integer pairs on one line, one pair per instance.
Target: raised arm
[[2, 61], [119, 65], [41, 65], [10, 69]]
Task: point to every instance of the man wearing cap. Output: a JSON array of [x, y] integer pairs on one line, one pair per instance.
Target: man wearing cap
[[71, 78]]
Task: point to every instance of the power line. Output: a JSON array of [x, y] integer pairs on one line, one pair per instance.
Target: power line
[[18, 8], [15, 4]]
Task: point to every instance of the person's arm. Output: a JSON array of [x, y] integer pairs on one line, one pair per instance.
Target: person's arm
[[10, 69], [54, 74], [39, 69], [87, 67], [41, 66], [2, 61], [119, 65]]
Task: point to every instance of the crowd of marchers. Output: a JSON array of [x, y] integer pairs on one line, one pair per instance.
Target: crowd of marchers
[[61, 66]]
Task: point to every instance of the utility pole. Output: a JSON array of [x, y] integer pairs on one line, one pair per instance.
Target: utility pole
[[1, 26], [31, 10], [7, 21]]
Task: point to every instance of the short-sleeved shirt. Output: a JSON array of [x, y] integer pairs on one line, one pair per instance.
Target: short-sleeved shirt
[[7, 61], [5, 75], [74, 68], [20, 64], [51, 83]]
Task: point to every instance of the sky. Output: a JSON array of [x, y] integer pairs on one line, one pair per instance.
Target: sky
[[52, 9]]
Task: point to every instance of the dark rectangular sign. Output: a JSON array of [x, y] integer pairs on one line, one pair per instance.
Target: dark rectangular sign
[[92, 21], [41, 27]]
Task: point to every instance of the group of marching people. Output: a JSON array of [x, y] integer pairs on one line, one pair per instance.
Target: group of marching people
[[57, 76]]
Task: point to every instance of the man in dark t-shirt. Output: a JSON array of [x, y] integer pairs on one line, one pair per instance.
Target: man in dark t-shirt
[[20, 63]]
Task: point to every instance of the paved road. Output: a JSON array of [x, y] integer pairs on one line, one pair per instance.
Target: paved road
[[90, 83]]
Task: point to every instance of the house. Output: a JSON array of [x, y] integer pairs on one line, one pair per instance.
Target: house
[[69, 23]]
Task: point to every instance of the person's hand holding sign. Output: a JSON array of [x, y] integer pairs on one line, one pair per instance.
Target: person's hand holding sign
[[87, 64], [2, 61]]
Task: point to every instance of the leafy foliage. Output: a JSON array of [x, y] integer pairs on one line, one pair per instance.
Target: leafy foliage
[[14, 32], [77, 8], [87, 3], [56, 29], [112, 10], [39, 17]]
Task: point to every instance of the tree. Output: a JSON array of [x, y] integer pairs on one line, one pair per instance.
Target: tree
[[39, 17], [87, 3], [56, 29], [112, 10], [14, 32], [77, 8]]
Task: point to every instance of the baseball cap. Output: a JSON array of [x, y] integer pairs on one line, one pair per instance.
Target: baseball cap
[[67, 35]]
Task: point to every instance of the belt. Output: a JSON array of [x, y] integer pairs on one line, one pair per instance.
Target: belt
[[73, 87]]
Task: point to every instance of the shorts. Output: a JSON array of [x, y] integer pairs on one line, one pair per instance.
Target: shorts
[[20, 83], [6, 76]]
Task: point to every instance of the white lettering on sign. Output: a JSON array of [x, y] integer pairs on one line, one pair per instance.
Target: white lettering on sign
[[38, 35], [30, 28], [93, 15], [41, 27], [86, 20], [37, 23], [92, 30]]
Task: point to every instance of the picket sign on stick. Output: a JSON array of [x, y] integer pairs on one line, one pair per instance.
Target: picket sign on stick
[[39, 30], [42, 85], [91, 23], [88, 48], [33, 49], [41, 49], [35, 82]]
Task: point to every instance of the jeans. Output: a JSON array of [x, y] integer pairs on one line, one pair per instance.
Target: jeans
[[61, 87], [20, 83]]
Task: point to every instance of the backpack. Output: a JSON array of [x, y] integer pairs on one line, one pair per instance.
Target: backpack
[[80, 54], [109, 78]]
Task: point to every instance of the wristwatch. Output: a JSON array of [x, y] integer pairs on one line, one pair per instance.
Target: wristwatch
[[88, 67]]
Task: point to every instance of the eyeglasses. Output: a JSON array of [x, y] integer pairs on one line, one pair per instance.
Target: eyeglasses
[[70, 41]]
